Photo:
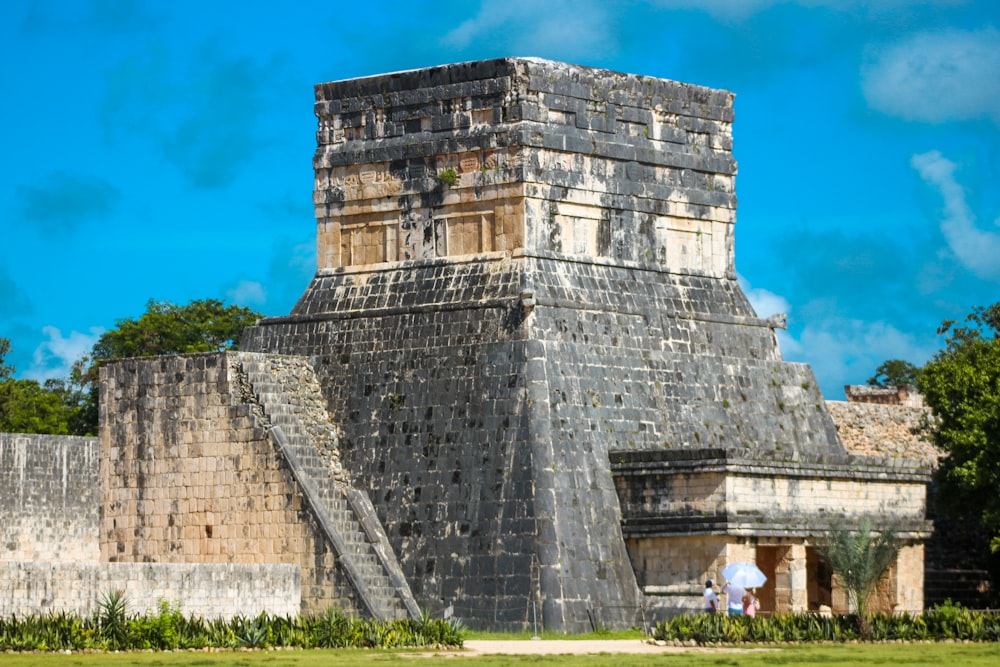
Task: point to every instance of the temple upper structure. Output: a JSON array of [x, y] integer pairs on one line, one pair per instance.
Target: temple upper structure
[[525, 155]]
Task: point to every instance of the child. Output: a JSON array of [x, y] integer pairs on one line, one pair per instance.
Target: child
[[750, 604]]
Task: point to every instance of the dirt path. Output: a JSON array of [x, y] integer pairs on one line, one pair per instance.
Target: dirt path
[[578, 647]]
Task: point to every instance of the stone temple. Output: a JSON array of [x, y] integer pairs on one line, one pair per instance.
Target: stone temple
[[524, 382]]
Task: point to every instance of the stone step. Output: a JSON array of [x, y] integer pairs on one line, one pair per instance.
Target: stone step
[[290, 396]]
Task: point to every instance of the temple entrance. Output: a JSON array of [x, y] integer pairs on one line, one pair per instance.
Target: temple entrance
[[768, 560], [819, 581]]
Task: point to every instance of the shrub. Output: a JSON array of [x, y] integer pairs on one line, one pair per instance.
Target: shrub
[[945, 622]]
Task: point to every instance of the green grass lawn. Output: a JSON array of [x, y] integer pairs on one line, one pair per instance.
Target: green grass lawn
[[839, 655]]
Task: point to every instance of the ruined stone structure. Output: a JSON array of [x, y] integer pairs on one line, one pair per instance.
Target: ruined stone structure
[[904, 394], [524, 379]]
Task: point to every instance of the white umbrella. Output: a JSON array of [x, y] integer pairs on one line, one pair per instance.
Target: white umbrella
[[745, 575]]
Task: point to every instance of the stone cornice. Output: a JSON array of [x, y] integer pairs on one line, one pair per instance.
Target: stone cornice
[[701, 461]]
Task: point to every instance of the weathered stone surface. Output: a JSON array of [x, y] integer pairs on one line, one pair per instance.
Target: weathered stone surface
[[708, 491], [521, 153], [191, 475], [871, 429], [48, 498], [197, 589]]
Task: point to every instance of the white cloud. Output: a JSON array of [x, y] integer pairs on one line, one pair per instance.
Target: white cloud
[[247, 292], [530, 27], [839, 350], [937, 77], [723, 9], [976, 249], [765, 303], [54, 358], [737, 10], [844, 351]]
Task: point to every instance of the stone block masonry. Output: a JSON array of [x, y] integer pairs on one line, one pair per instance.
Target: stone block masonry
[[50, 493], [523, 153], [209, 591], [48, 498], [192, 476]]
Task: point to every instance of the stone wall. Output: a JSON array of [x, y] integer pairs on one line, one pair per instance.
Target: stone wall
[[903, 395], [191, 476], [873, 429], [209, 591], [430, 403], [686, 514], [48, 498]]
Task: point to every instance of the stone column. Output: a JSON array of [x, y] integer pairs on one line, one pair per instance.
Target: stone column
[[909, 593], [798, 576]]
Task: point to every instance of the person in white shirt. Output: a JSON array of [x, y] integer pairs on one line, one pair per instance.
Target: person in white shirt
[[734, 598], [711, 599]]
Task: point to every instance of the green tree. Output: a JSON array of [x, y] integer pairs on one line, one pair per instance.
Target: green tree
[[26, 406], [5, 370], [200, 326], [894, 372], [29, 407], [859, 558], [962, 385]]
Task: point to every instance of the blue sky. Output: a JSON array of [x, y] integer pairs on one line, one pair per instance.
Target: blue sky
[[163, 150]]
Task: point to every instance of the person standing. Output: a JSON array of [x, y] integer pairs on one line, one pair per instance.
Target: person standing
[[749, 604], [711, 599], [734, 598]]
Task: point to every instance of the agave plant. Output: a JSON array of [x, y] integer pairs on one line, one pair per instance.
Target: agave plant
[[113, 618]]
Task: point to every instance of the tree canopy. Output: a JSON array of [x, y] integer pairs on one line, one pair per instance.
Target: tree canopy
[[70, 406], [200, 326], [27, 406], [962, 385], [894, 372], [5, 370]]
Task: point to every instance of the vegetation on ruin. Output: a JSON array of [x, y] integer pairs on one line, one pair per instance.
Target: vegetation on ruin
[[206, 325], [962, 385], [448, 176], [894, 372], [56, 407]]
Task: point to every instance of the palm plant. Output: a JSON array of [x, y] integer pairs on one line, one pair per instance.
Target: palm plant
[[859, 558]]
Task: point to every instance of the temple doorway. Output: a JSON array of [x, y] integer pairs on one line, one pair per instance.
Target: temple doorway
[[819, 581], [768, 559]]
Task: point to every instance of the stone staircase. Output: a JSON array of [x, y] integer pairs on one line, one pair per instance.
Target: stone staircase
[[286, 394]]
